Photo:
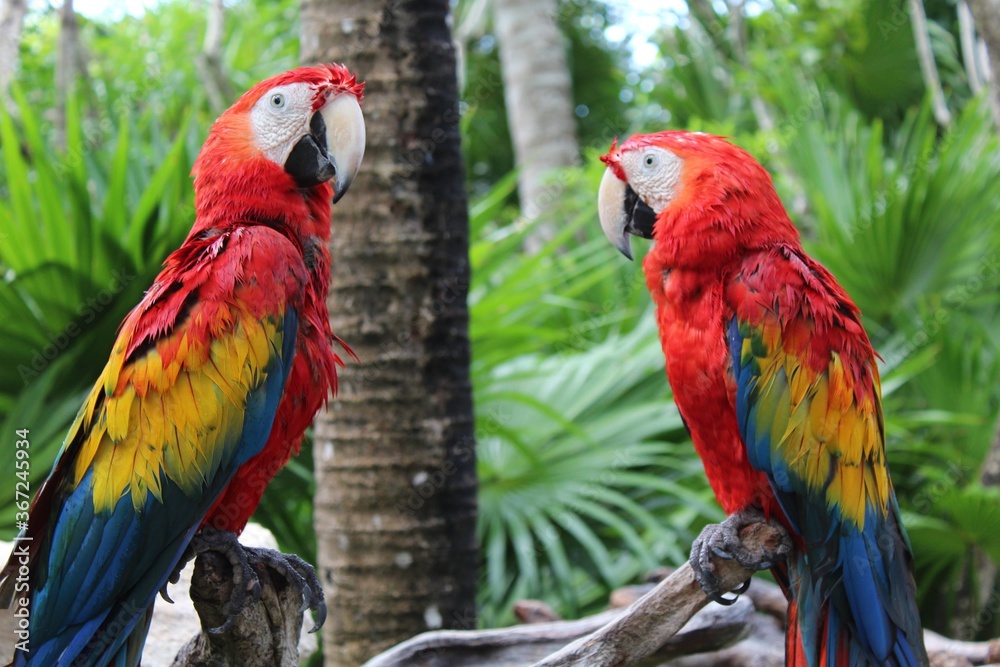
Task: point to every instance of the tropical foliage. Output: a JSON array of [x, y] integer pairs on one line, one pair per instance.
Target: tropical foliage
[[587, 476]]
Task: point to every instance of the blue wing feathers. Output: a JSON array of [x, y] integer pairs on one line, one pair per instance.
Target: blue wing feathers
[[861, 572], [263, 405]]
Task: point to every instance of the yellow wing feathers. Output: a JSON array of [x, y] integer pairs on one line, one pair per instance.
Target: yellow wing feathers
[[171, 421], [816, 427]]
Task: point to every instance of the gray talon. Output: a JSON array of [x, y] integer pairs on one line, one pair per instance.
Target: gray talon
[[723, 541], [299, 574]]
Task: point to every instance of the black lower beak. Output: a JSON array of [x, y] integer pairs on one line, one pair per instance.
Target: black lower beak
[[640, 216], [309, 162]]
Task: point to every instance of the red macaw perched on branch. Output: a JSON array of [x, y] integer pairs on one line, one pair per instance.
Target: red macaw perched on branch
[[777, 383], [211, 384]]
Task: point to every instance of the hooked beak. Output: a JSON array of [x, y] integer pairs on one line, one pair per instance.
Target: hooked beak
[[333, 148], [622, 212]]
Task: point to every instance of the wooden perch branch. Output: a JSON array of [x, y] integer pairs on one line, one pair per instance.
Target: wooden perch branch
[[657, 616], [663, 624], [265, 634]]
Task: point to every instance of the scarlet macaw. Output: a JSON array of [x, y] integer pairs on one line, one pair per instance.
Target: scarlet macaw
[[778, 385], [211, 384]]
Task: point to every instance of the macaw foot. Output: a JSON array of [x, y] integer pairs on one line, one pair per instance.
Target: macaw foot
[[246, 585], [723, 541]]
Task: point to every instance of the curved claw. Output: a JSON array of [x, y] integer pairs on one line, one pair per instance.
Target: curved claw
[[710, 585], [320, 617], [175, 576], [743, 588], [312, 590], [222, 629], [725, 602], [724, 555]]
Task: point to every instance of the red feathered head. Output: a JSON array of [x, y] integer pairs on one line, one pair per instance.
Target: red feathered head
[[302, 128], [695, 190]]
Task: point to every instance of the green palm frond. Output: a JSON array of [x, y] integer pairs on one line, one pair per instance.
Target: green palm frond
[[82, 234]]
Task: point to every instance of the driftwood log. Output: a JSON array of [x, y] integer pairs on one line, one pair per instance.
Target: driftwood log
[[527, 644], [265, 634], [657, 616]]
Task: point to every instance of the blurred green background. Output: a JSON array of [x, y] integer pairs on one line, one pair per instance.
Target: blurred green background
[[587, 476]]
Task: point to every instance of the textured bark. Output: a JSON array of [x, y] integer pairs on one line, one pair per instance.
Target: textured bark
[[265, 634], [987, 17], [539, 99], [11, 25], [69, 66], [395, 454], [666, 624]]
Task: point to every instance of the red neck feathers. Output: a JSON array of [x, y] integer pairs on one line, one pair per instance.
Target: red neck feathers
[[725, 206], [236, 185]]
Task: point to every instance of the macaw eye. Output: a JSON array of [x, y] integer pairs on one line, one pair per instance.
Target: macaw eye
[[649, 160], [277, 101]]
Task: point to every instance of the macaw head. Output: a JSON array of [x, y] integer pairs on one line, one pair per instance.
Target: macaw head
[[297, 132], [695, 193]]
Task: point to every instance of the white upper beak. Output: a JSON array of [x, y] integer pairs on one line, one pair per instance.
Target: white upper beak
[[345, 139], [611, 210]]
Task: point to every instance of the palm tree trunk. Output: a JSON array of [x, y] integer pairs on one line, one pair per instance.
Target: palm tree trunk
[[210, 70], [395, 454], [11, 24], [69, 65], [539, 99], [928, 67]]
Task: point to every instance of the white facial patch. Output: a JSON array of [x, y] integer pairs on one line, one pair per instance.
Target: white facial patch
[[655, 175], [280, 118]]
